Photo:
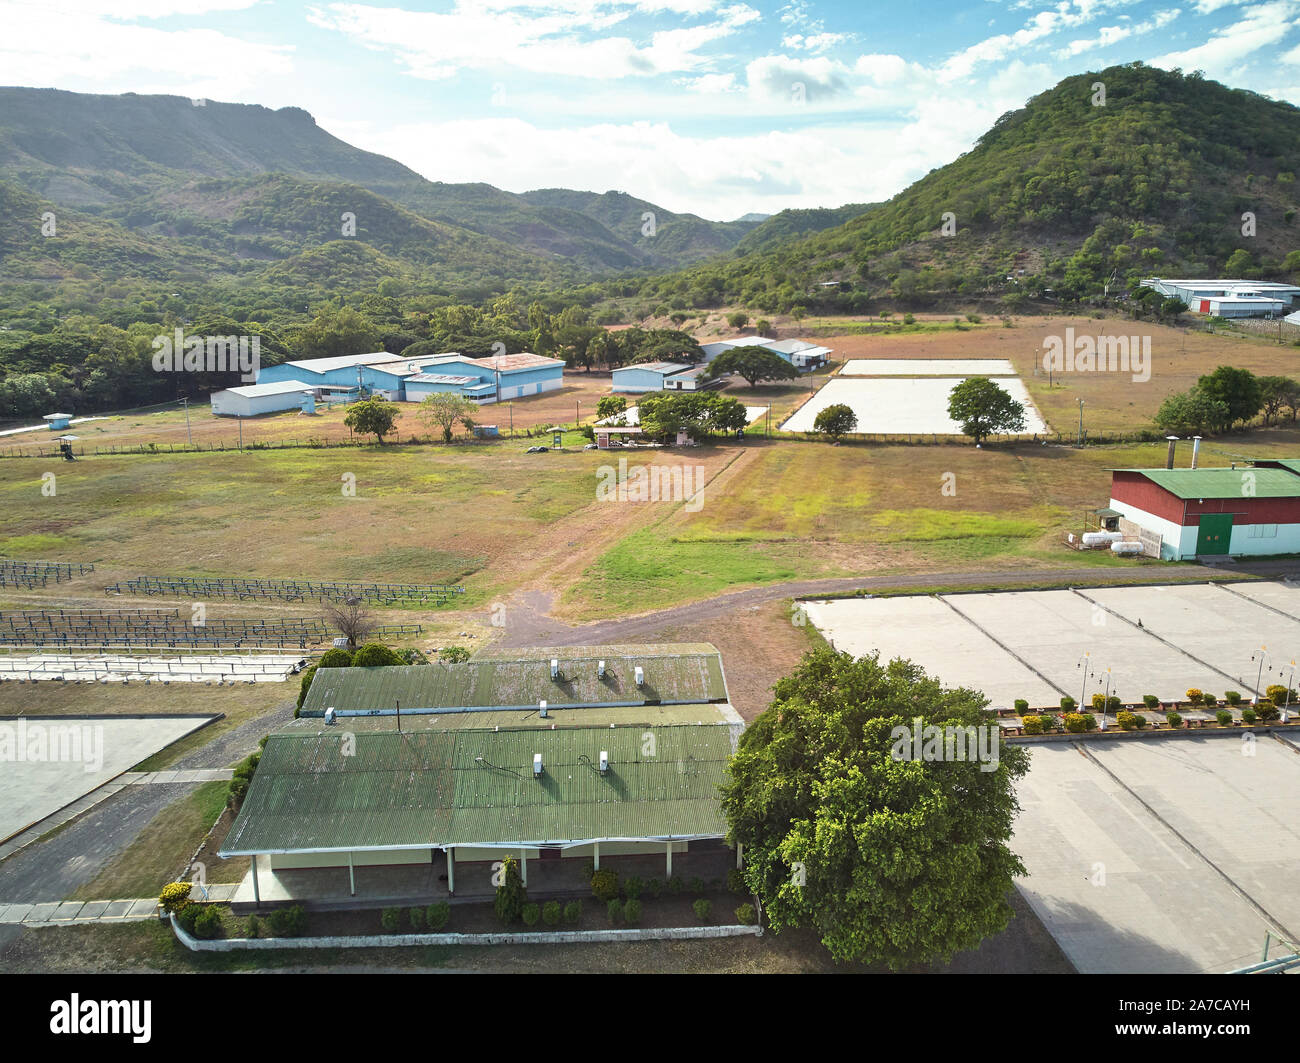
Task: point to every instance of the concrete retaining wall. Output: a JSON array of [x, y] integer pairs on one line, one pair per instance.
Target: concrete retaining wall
[[541, 937]]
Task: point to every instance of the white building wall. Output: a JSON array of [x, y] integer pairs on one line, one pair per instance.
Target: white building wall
[[1177, 542], [1265, 539]]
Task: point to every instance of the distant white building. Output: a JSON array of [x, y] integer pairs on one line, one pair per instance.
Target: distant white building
[[255, 399], [1229, 298]]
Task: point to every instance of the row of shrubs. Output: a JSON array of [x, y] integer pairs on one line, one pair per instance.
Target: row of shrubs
[[207, 921], [606, 886], [1266, 710], [433, 918]]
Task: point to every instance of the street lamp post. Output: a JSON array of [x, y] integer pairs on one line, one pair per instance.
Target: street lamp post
[[1259, 674]]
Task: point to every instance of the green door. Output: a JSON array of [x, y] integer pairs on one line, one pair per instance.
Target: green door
[[1215, 533]]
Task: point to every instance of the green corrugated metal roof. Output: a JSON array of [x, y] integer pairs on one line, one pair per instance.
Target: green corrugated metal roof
[[1224, 483], [1287, 463], [520, 681], [430, 790]]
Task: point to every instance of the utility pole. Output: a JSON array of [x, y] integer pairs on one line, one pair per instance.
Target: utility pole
[[241, 433], [1081, 422], [186, 403]]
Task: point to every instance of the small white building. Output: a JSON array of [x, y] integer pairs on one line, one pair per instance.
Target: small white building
[[255, 399]]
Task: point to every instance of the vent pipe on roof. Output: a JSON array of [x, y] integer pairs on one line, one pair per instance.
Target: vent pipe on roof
[[640, 676], [1196, 449], [541, 709], [555, 667], [600, 669], [1169, 461], [604, 761], [537, 765], [329, 715]]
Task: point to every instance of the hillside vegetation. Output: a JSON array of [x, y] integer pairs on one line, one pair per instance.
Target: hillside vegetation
[[1062, 195]]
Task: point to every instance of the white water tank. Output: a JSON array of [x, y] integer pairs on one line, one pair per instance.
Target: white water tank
[[1101, 538], [1126, 549]]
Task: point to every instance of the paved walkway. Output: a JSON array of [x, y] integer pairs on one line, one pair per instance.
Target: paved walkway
[[102, 793], [147, 778], [76, 913]]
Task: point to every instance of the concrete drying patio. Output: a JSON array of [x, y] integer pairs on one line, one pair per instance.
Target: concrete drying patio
[[1162, 855], [51, 761], [1029, 644]]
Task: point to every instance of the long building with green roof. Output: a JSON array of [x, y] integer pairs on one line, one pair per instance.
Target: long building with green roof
[[471, 771]]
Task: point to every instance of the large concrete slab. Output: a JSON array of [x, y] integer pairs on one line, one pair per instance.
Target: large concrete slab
[[925, 630], [1275, 593], [1218, 627], [1052, 630], [1115, 884], [49, 762], [902, 405], [928, 367]]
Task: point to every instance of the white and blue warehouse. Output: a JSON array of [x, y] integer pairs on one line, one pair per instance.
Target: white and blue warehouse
[[647, 376], [486, 380], [398, 379]]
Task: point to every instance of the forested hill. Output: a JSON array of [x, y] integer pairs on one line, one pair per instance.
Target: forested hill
[[158, 163], [1068, 193]]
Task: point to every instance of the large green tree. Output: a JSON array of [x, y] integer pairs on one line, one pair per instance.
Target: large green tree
[[1237, 388], [755, 364], [981, 407], [444, 409], [1192, 413], [372, 417], [889, 859], [835, 421]]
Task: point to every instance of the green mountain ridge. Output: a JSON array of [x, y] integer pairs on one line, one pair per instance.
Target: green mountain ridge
[[1060, 194], [149, 163]]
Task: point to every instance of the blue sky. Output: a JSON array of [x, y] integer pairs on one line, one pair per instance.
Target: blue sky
[[720, 107]]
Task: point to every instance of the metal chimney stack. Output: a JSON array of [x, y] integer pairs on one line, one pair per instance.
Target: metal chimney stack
[[1169, 462], [1196, 449]]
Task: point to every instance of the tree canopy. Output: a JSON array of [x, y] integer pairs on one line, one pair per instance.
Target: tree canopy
[[981, 407], [755, 364], [372, 417], [889, 859], [835, 421]]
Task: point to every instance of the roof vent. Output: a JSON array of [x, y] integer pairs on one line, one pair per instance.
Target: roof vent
[[329, 715], [600, 669], [537, 765], [604, 761], [555, 667], [541, 709], [640, 676]]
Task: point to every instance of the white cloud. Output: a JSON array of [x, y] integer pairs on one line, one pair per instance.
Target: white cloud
[[555, 37], [1261, 25], [94, 44], [1109, 35]]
